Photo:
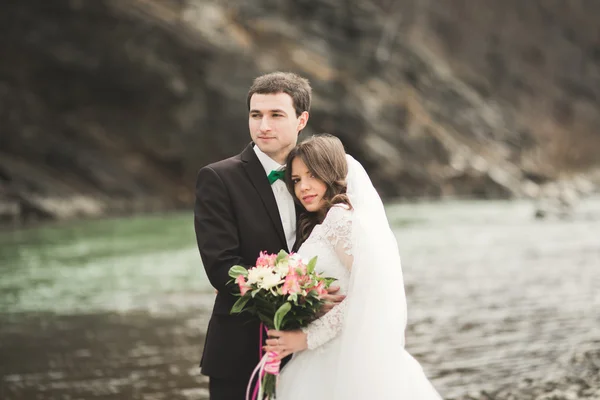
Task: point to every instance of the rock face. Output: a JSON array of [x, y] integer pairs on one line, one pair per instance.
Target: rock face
[[113, 105]]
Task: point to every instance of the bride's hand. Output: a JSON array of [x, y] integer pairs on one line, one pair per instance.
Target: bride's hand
[[331, 300], [285, 343]]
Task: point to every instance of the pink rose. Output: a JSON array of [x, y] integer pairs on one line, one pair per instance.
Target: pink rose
[[320, 288], [296, 262], [291, 285], [266, 260], [292, 270], [241, 281], [302, 269], [304, 280]]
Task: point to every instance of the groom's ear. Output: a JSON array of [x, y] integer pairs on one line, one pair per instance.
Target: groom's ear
[[303, 120]]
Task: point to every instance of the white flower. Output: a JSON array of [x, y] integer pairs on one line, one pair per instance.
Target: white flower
[[269, 281], [283, 263], [257, 274], [296, 260], [282, 269]]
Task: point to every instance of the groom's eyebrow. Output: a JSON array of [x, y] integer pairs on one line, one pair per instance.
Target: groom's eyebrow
[[276, 110]]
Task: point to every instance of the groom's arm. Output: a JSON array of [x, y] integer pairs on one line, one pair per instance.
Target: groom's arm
[[216, 229]]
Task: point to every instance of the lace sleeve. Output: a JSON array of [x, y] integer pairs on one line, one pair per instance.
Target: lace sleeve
[[337, 230]]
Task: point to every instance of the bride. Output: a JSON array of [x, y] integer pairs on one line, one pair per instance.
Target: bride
[[356, 350]]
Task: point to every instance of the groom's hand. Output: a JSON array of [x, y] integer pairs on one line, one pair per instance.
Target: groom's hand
[[331, 300]]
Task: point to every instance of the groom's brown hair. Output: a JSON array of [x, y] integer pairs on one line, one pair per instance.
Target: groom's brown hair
[[325, 158], [295, 86]]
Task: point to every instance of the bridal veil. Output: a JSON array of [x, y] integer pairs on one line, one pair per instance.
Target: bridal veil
[[373, 362]]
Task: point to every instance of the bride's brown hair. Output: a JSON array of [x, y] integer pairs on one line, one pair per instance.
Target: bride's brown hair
[[325, 158]]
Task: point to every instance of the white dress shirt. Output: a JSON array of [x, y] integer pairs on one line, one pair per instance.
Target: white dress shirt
[[283, 198]]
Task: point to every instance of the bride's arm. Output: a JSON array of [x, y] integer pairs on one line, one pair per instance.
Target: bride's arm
[[315, 335], [338, 232]]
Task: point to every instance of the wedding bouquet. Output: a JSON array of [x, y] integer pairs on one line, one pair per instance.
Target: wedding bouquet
[[286, 293]]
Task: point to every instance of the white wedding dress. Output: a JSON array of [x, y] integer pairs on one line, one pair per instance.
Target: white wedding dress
[[345, 358], [310, 373]]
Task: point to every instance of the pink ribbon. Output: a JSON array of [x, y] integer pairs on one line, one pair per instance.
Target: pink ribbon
[[268, 364], [272, 364]]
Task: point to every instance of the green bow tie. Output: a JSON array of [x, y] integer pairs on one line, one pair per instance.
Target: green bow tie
[[274, 175]]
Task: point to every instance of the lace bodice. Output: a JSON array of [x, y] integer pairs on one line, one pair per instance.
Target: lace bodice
[[331, 241]]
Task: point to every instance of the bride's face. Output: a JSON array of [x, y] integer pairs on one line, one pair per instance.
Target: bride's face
[[308, 189]]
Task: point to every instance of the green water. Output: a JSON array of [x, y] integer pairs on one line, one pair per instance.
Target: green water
[[113, 264], [491, 292], [152, 263]]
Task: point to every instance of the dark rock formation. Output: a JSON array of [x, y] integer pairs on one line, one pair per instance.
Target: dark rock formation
[[112, 105]]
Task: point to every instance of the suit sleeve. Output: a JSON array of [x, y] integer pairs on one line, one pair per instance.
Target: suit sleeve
[[216, 229]]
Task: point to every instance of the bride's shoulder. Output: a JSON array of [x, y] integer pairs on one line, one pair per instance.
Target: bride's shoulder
[[338, 222], [339, 212]]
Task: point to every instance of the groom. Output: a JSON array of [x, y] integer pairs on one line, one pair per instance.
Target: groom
[[242, 208]]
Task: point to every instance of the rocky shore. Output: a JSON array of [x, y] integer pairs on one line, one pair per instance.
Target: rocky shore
[[578, 380], [135, 357], [112, 106]]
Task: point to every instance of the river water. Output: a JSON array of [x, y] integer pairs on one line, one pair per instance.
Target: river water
[[117, 308]]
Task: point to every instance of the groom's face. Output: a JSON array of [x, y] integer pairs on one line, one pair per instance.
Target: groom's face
[[273, 123]]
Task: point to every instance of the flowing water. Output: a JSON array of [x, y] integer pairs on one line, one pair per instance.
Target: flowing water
[[117, 308]]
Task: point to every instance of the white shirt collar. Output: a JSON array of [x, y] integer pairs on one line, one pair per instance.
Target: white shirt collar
[[267, 162]]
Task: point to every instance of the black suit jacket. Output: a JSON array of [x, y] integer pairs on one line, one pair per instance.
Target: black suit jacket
[[236, 217]]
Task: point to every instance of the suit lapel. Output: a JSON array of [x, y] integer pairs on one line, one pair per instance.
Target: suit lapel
[[257, 176]]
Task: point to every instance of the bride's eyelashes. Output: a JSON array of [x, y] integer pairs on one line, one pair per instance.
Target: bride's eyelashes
[[296, 180]]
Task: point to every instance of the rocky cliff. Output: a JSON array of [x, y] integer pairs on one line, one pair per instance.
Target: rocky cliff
[[111, 106]]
